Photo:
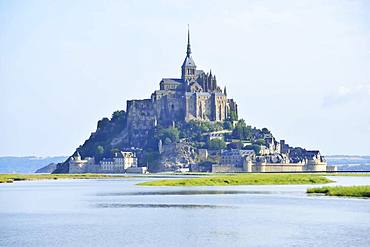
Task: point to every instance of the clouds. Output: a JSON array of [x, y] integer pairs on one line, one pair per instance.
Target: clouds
[[351, 94], [285, 62]]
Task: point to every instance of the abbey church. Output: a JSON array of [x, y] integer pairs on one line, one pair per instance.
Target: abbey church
[[194, 96]]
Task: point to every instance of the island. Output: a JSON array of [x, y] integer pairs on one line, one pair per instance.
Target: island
[[190, 124]]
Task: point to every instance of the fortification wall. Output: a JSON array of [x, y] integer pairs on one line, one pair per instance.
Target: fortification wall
[[141, 117], [273, 167], [226, 168], [170, 107]]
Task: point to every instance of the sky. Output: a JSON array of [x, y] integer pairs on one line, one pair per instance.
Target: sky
[[299, 68]]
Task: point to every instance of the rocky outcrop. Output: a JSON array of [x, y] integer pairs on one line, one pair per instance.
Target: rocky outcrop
[[177, 155]]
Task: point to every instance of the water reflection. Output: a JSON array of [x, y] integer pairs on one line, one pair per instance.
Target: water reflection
[[183, 193], [119, 213], [184, 206]]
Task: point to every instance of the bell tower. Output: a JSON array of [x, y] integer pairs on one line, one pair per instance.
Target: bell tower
[[188, 67]]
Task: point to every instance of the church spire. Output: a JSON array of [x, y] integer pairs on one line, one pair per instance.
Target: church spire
[[188, 50]]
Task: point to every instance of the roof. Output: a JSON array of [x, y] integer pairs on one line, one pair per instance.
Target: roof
[[238, 152], [123, 154], [171, 80], [188, 62]]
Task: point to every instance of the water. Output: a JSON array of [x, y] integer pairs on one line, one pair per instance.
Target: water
[[118, 213]]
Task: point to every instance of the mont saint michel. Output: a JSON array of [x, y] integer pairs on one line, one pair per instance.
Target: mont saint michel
[[189, 124], [184, 123]]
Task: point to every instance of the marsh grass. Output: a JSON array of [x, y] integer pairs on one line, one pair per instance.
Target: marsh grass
[[242, 179], [9, 178], [348, 191]]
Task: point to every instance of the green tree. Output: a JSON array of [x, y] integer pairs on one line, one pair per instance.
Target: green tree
[[265, 131], [151, 159], [216, 144], [118, 115], [242, 131], [260, 141], [228, 125], [235, 145], [99, 150], [103, 123], [256, 148], [233, 116], [115, 150], [166, 134]]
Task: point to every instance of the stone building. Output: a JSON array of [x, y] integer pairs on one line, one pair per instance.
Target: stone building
[[79, 165], [194, 96], [236, 157], [234, 160], [121, 162]]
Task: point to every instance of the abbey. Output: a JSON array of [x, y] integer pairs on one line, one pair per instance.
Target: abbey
[[189, 124], [194, 96]]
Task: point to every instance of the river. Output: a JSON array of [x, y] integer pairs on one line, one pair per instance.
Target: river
[[116, 212]]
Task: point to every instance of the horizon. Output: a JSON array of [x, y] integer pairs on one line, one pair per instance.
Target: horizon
[[299, 69]]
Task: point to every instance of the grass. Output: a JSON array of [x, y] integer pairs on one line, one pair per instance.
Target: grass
[[348, 191], [242, 179], [9, 178]]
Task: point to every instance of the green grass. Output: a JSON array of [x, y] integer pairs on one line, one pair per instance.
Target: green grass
[[242, 179], [9, 178], [349, 191]]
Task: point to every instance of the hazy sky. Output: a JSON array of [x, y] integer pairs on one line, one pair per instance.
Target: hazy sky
[[299, 68]]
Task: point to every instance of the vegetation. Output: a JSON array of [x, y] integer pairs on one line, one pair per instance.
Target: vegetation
[[151, 159], [99, 143], [9, 178], [193, 130], [255, 147], [235, 145], [216, 144], [247, 133], [167, 135], [242, 179], [233, 116], [349, 191]]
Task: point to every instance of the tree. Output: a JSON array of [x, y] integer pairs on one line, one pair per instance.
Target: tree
[[261, 141], [233, 116], [151, 159], [216, 144], [103, 122], [265, 131], [118, 115], [242, 131], [167, 135], [256, 148], [228, 125], [99, 150], [235, 145], [115, 150]]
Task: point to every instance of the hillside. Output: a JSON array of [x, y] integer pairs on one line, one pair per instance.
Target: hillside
[[27, 164], [349, 162]]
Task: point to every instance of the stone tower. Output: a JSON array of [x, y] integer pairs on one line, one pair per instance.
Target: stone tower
[[188, 67]]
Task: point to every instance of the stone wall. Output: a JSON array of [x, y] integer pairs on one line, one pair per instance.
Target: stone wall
[[275, 167], [141, 118], [226, 168]]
